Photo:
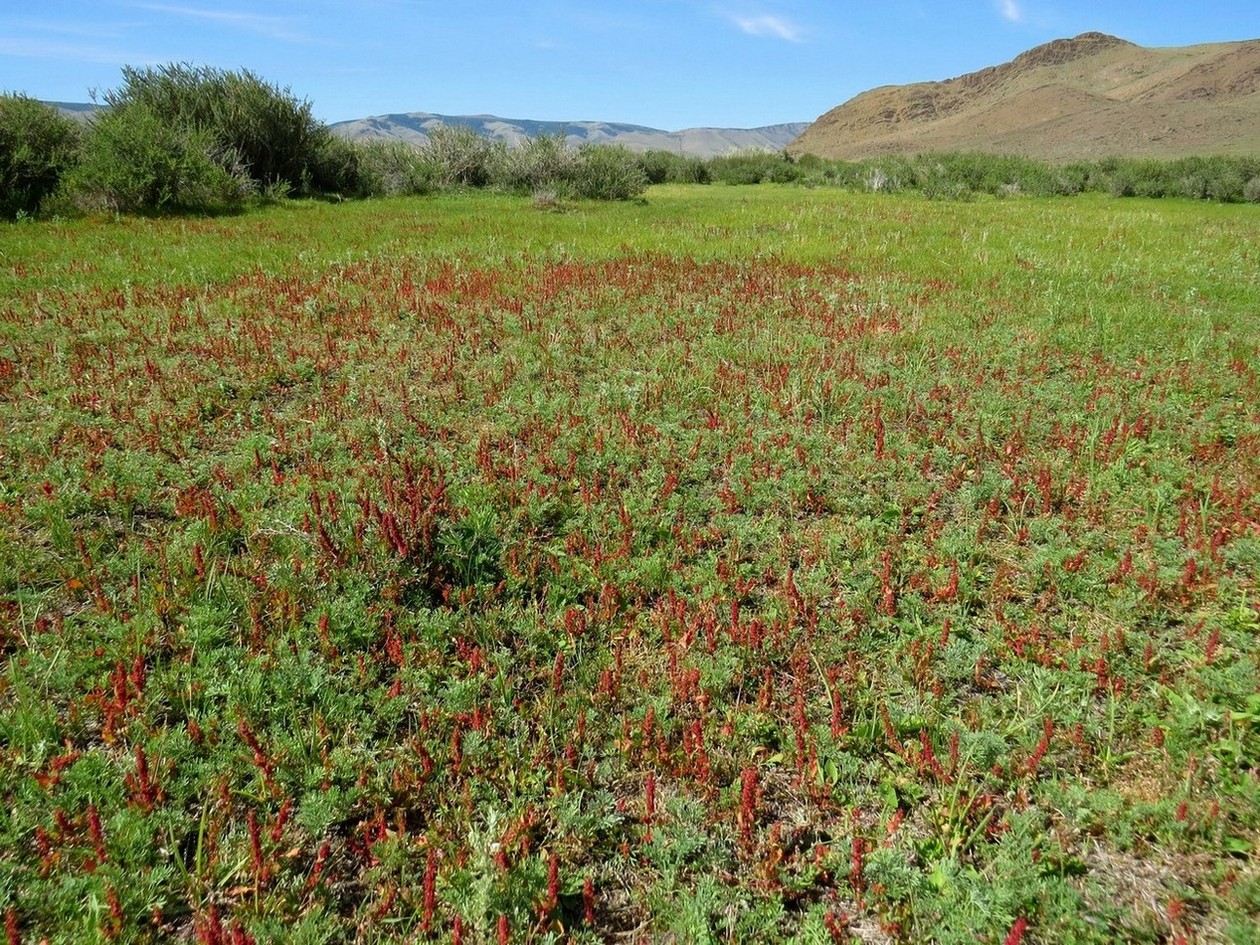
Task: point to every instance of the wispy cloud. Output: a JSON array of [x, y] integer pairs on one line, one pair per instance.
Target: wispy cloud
[[32, 48], [1011, 10], [94, 30], [770, 26], [279, 28]]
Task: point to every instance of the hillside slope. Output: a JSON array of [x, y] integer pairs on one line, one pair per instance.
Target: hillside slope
[[699, 142], [1091, 96]]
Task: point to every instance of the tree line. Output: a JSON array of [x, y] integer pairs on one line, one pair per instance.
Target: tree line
[[180, 138]]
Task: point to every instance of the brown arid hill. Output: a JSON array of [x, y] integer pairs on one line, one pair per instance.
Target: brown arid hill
[[1072, 99]]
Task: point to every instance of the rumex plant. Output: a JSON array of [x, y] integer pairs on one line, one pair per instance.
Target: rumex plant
[[427, 597]]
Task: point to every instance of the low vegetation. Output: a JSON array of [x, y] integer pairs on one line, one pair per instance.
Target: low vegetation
[[964, 176], [745, 564], [180, 139]]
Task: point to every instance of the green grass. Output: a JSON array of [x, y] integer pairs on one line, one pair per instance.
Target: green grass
[[769, 563]]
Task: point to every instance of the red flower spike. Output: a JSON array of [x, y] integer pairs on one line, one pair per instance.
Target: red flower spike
[[553, 883], [430, 890], [748, 805], [96, 833]]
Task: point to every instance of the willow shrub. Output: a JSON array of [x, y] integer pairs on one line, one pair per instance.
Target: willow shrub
[[37, 146]]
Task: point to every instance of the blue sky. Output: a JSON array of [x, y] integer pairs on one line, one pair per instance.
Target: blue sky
[[665, 63]]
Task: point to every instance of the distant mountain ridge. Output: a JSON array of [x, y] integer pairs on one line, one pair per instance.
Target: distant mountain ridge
[[697, 142], [1087, 97]]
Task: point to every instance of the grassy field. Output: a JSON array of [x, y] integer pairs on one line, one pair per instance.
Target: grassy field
[[744, 564]]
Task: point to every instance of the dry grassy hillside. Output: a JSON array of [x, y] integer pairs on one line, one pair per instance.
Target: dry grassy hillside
[[1087, 97]]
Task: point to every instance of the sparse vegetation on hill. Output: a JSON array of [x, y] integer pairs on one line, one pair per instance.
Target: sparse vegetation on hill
[[1087, 98]]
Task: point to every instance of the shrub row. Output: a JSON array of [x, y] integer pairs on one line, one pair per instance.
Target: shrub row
[[959, 176], [545, 166], [186, 139]]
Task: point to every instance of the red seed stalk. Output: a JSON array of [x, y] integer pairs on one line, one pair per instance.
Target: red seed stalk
[[317, 870], [255, 847], [430, 890], [888, 596], [12, 931], [557, 673], [1213, 642], [1042, 747], [96, 833], [553, 889], [836, 927], [282, 818], [748, 806], [210, 928], [837, 707], [505, 930], [116, 916], [588, 901], [928, 757], [890, 733], [1016, 934]]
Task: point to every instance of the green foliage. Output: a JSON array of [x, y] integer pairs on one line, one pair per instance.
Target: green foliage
[[135, 161], [460, 157], [391, 168], [753, 167], [667, 167], [194, 139], [37, 146], [271, 134], [538, 163], [607, 172], [963, 176]]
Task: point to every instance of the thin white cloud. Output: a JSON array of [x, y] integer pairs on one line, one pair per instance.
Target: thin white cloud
[[30, 48], [274, 27], [94, 30], [769, 26], [1011, 10]]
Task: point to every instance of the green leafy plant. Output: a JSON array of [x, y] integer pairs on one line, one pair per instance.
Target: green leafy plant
[[37, 147]]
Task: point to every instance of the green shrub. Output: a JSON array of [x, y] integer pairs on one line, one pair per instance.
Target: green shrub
[[607, 172], [667, 167], [539, 163], [135, 161], [37, 146], [753, 167], [272, 134], [391, 167], [1071, 179], [333, 167], [460, 156]]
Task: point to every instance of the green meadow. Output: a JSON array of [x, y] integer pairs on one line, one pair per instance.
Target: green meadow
[[737, 564]]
